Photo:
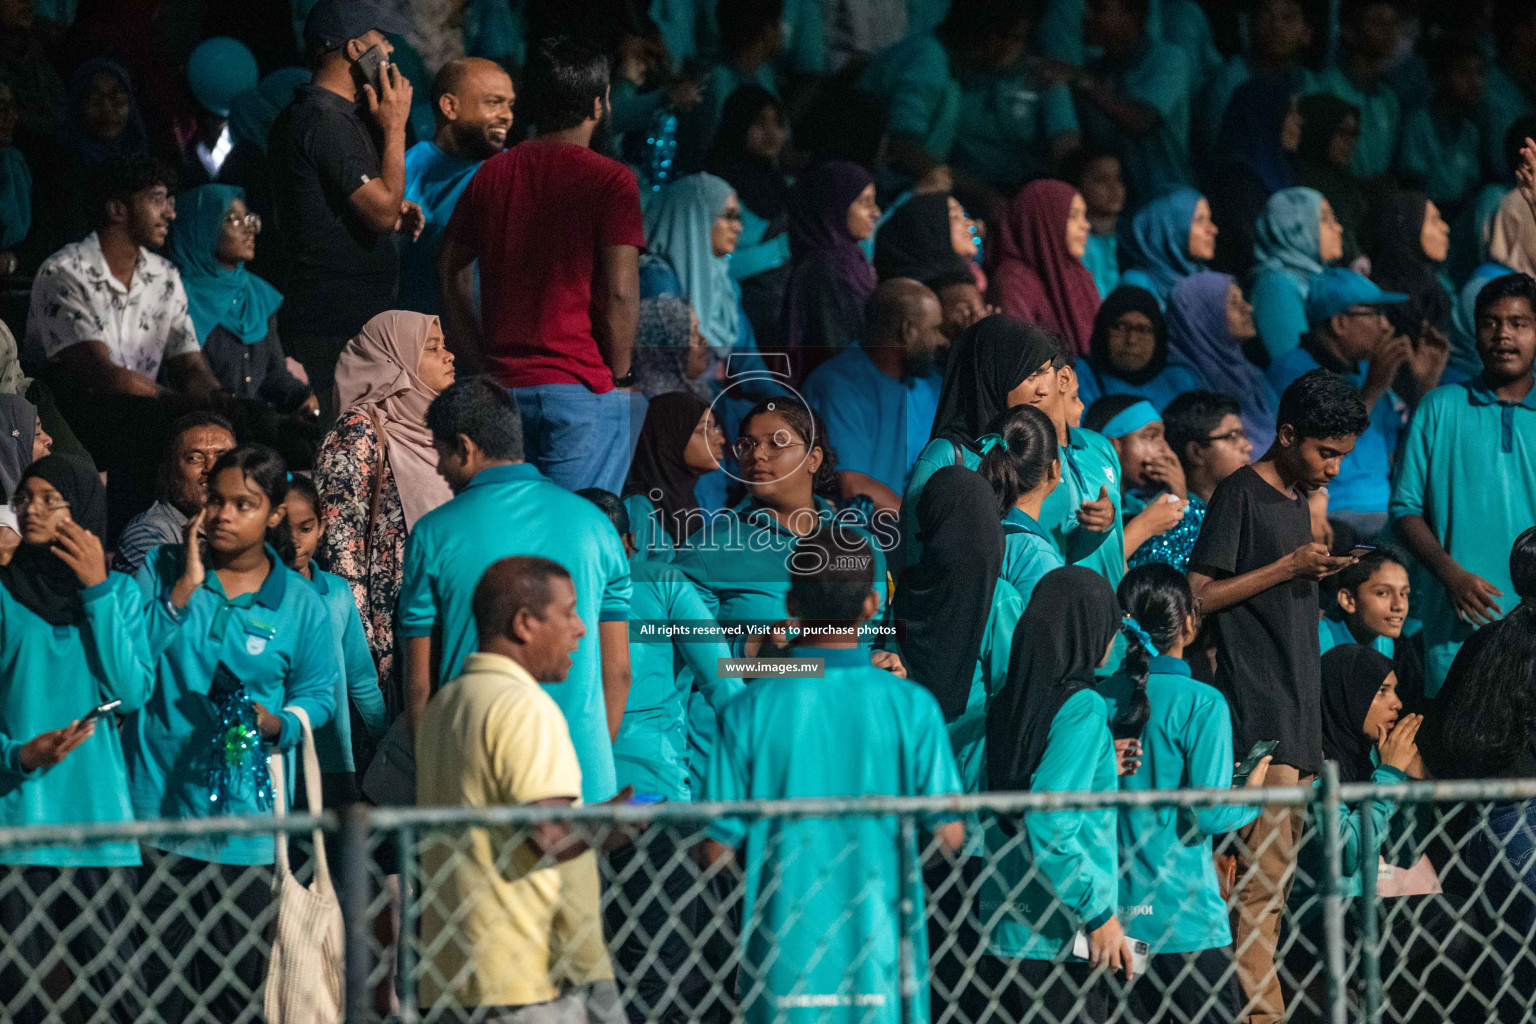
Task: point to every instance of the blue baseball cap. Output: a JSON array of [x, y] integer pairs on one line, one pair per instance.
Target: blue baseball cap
[[333, 23], [1334, 291]]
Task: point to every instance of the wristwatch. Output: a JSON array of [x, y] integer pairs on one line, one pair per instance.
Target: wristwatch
[[626, 381]]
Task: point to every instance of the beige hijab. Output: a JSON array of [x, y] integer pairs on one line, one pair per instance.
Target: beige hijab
[[377, 373], [1512, 237]]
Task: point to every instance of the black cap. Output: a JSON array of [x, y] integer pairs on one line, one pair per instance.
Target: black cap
[[332, 23]]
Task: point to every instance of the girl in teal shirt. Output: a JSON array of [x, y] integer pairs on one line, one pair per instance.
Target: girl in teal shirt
[[1023, 465], [1169, 896], [71, 638], [1048, 730]]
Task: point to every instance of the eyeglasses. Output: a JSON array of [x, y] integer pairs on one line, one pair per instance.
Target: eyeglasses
[[1137, 330], [252, 221], [162, 200], [774, 447], [21, 502], [1231, 437]]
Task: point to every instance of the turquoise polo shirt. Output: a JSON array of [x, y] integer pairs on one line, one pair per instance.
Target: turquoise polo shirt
[[1102, 258], [51, 676], [277, 642], [1029, 552], [1445, 156], [515, 510], [1468, 466], [434, 181], [1159, 75], [823, 918], [1059, 874], [358, 682], [652, 541], [1391, 830], [1172, 382], [1169, 897], [651, 751], [936, 454], [739, 561], [1332, 633], [1364, 480], [865, 410], [914, 81], [756, 253], [1088, 462], [1380, 119], [1005, 125]]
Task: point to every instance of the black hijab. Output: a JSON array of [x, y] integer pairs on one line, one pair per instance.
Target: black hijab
[[759, 184], [915, 243], [1393, 239], [1352, 674], [38, 578], [1321, 116], [989, 359], [1128, 299], [945, 598], [1061, 638], [658, 466]]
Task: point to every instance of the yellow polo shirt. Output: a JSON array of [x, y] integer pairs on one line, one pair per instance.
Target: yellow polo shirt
[[500, 928]]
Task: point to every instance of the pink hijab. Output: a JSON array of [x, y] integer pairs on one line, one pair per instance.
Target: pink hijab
[[377, 372], [1033, 276]]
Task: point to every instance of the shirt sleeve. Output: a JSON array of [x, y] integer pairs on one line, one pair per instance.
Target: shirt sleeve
[[180, 335], [701, 658], [726, 779], [418, 604], [621, 222], [162, 624], [1408, 490], [114, 618], [345, 160], [1381, 810], [932, 759], [1279, 313], [618, 590], [362, 676], [530, 751], [1217, 548], [62, 314], [915, 92], [312, 679], [1209, 759]]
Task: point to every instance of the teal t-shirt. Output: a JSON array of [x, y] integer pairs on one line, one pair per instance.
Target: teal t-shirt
[[278, 642], [1103, 261], [1172, 382], [515, 510], [914, 81], [51, 676], [1160, 76], [1332, 633], [1007, 123], [1475, 504], [822, 912], [1505, 101], [652, 541], [651, 751], [358, 680], [1444, 157], [1279, 310], [1391, 831], [1169, 897], [1029, 552], [1088, 463], [877, 424], [1380, 119], [434, 181], [1061, 860]]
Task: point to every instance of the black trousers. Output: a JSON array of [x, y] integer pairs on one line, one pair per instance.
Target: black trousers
[[1042, 992], [653, 924], [205, 949], [81, 913], [1186, 988]]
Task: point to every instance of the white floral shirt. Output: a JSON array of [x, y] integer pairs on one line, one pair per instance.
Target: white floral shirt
[[75, 298]]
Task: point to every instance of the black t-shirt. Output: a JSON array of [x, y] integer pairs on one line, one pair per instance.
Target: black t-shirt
[[337, 272], [1267, 660]]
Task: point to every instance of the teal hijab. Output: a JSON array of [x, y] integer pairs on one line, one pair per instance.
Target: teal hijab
[[1286, 236], [678, 223], [234, 299], [1156, 240]]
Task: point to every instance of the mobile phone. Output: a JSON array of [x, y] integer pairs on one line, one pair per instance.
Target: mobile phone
[[1139, 951], [369, 69], [102, 711], [1362, 549], [1260, 751]]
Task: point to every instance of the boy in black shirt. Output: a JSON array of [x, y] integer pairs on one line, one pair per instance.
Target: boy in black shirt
[[1255, 569]]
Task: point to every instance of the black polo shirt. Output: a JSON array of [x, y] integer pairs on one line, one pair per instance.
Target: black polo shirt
[[337, 272]]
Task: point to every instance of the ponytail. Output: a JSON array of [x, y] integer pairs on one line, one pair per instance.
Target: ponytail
[[1018, 456], [1157, 602], [1132, 716]]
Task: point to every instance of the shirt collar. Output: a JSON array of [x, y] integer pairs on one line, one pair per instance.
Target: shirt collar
[[836, 657], [326, 98], [320, 582], [1480, 392], [1164, 665], [496, 664], [517, 471], [1023, 522], [93, 253], [269, 594]]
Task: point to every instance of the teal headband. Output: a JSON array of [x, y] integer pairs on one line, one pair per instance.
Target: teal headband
[[1132, 419]]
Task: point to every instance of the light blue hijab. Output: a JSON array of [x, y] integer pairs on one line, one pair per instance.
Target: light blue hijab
[[678, 222], [234, 299], [1286, 237], [1156, 241]]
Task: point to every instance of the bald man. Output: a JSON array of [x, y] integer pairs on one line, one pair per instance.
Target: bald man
[[878, 398], [472, 101]]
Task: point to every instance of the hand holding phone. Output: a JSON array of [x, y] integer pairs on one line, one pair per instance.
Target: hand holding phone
[[1259, 751], [101, 711]]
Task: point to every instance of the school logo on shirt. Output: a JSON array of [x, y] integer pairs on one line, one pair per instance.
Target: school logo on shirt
[[255, 644]]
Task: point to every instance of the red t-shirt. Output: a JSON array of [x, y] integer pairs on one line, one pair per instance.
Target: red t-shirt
[[536, 216]]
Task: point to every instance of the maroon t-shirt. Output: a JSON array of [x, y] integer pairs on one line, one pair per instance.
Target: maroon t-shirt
[[536, 216]]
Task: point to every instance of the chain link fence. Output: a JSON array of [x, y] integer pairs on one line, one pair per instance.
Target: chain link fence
[[829, 910]]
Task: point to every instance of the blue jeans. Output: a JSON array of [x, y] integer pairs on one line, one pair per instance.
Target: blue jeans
[[1503, 851], [578, 438]]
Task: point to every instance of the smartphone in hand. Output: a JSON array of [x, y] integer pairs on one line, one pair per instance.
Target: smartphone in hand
[[1259, 752], [102, 711], [369, 70]]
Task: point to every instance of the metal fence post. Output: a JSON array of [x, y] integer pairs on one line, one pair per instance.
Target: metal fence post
[[911, 884], [405, 942], [1333, 901], [354, 908], [1370, 963]]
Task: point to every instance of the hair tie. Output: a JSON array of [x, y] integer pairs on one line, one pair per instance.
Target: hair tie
[[986, 442], [1133, 628]]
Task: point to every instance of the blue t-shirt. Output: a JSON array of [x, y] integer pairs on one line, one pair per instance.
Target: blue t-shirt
[[433, 180], [1444, 158], [866, 412], [1160, 390], [515, 510], [823, 918], [1380, 119]]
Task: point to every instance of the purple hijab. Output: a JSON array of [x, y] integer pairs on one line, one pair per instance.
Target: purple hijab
[[1198, 338], [818, 229]]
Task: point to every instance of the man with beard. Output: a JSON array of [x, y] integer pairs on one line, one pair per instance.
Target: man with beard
[[196, 442], [885, 387], [472, 101], [556, 229]]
